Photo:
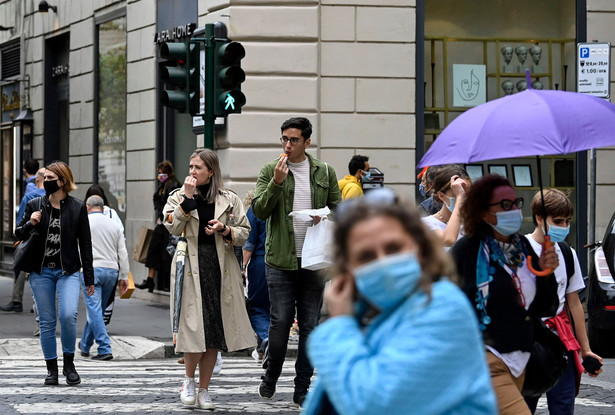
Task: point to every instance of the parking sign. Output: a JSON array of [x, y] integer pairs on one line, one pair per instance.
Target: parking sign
[[593, 69]]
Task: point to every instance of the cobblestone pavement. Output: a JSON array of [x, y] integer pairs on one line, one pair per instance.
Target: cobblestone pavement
[[138, 386]]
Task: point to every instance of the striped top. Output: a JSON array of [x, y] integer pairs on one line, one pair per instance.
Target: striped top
[[302, 199]]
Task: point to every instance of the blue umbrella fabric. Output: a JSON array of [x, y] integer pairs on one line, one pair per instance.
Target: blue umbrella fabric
[[529, 123]]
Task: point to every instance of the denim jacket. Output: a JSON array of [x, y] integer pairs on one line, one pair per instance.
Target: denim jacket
[[273, 203]]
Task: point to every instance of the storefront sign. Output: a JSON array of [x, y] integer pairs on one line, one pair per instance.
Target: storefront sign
[[59, 70], [593, 69], [11, 102], [178, 32]]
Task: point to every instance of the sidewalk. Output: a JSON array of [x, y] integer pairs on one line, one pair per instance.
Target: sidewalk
[[139, 329]]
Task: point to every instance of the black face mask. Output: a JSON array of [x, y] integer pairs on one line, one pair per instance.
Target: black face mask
[[51, 186]]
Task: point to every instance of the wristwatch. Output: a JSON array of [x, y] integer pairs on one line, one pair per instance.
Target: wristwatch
[[222, 230]]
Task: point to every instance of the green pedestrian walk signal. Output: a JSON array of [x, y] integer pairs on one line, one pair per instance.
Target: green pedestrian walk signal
[[180, 71], [228, 76]]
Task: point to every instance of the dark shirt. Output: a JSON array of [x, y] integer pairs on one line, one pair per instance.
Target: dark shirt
[[206, 213], [53, 245], [258, 234], [429, 206]]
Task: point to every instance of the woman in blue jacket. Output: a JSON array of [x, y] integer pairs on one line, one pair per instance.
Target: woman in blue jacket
[[401, 338]]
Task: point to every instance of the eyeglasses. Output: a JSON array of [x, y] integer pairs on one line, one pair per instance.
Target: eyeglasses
[[507, 204], [293, 140], [519, 288]]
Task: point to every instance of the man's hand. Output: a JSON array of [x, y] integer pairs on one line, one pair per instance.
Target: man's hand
[[89, 290], [281, 171], [316, 219], [123, 286], [189, 186]]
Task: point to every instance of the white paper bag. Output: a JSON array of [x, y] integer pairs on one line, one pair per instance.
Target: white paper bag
[[317, 252]]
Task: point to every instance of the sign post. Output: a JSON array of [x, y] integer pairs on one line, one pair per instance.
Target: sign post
[[593, 69]]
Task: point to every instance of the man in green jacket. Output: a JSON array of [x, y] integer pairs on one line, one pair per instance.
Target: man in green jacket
[[296, 181]]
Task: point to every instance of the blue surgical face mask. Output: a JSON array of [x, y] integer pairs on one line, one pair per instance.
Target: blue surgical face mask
[[386, 282], [509, 222], [367, 175], [558, 233], [452, 204], [422, 190]]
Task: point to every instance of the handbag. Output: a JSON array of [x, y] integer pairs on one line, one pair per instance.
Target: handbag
[[145, 237], [317, 252], [23, 248], [131, 287], [548, 361]]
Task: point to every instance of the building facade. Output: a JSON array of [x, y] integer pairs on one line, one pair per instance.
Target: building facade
[[360, 70]]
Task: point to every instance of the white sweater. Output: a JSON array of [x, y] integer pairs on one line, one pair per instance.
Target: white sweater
[[108, 244]]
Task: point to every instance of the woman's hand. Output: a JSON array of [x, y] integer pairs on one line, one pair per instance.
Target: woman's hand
[[189, 187], [36, 217], [459, 186], [339, 296], [215, 226], [548, 258], [123, 286], [89, 290]]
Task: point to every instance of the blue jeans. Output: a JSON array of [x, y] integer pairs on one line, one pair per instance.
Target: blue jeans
[[258, 296], [104, 287], [44, 287], [560, 399], [289, 289]]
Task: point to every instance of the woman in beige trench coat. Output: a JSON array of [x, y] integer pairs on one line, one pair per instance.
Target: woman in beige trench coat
[[213, 312]]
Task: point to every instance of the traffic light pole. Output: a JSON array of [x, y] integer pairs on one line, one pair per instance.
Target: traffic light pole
[[209, 117]]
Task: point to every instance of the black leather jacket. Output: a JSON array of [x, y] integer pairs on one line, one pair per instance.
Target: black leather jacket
[[76, 242]]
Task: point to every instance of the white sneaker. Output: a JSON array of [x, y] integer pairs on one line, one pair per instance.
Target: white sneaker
[[218, 366], [188, 395], [204, 400], [257, 356]]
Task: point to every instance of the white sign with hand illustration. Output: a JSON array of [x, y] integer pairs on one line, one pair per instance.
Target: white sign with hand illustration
[[469, 85]]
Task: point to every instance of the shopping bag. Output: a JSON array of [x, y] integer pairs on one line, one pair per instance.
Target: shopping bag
[[131, 287], [317, 252], [145, 237]]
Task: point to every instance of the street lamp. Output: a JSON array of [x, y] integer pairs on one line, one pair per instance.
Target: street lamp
[[43, 7]]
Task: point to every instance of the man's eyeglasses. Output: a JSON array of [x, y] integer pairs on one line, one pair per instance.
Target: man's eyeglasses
[[507, 204], [293, 140]]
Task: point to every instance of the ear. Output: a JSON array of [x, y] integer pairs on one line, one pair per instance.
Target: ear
[[489, 218], [307, 143], [440, 196]]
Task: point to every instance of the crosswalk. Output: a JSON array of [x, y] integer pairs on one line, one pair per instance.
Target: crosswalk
[[141, 386]]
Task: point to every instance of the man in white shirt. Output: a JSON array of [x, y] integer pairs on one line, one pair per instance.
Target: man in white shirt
[[570, 317], [110, 261]]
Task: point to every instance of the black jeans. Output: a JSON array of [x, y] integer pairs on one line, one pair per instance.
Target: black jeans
[[301, 289]]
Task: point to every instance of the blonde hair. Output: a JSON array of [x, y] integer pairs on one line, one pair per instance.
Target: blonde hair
[[210, 158], [61, 169]]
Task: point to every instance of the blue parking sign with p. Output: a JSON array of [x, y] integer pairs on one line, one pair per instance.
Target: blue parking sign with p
[[584, 52]]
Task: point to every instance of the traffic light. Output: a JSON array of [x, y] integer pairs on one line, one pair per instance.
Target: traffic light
[[181, 69], [228, 77]]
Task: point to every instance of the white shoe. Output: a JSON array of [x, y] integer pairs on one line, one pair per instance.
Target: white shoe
[[204, 400], [188, 395], [257, 356], [218, 366]]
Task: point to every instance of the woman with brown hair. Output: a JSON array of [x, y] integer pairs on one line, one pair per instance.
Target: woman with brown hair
[[492, 262], [213, 312], [450, 186], [62, 245], [158, 259], [401, 338]]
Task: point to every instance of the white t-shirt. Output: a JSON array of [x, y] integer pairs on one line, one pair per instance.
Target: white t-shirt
[[302, 199], [434, 223], [576, 280]]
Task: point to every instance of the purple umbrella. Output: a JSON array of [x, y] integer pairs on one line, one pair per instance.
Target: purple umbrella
[[529, 123]]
